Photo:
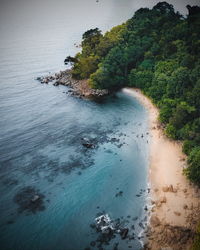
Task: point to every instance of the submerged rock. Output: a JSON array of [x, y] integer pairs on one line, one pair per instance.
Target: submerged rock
[[124, 233], [120, 193], [88, 145], [30, 200], [35, 198]]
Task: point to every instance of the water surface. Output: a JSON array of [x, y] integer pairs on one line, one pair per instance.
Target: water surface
[[41, 133]]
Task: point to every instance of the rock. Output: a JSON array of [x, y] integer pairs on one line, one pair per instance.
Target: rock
[[104, 224], [56, 83], [35, 198], [155, 222], [165, 189], [88, 145], [169, 188], [177, 213], [40, 79], [124, 233], [133, 227], [141, 225], [158, 204], [185, 206], [163, 199], [120, 193], [45, 80], [115, 247], [80, 87], [107, 230]]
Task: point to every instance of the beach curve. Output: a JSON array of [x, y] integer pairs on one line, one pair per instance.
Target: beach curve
[[175, 202]]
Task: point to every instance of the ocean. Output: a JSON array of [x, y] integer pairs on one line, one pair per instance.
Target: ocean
[[43, 129]]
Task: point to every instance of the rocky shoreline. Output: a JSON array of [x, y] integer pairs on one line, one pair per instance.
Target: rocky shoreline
[[78, 88], [163, 235]]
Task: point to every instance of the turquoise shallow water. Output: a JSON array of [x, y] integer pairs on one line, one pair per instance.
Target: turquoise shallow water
[[76, 183], [41, 129]]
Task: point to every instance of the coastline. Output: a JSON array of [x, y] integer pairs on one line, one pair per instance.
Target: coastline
[[174, 203], [77, 88], [175, 209]]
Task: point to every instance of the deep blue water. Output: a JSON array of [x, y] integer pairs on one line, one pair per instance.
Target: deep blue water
[[41, 129]]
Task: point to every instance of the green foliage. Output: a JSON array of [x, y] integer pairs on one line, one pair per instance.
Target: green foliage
[[140, 79], [171, 131], [158, 51], [188, 146], [109, 40], [91, 39], [181, 115], [85, 67], [178, 82], [70, 60], [166, 108], [196, 244], [193, 170]]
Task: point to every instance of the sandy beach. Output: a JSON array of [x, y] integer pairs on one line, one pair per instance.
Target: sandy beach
[[175, 201]]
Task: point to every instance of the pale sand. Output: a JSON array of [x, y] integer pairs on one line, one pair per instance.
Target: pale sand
[[166, 168]]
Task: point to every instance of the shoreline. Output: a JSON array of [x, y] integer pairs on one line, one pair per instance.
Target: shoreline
[[175, 209], [77, 88], [173, 202]]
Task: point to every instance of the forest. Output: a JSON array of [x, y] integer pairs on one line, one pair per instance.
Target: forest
[[158, 51]]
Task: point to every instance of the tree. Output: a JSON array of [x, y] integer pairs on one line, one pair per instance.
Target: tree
[[193, 170], [158, 51], [164, 8], [182, 115], [178, 83], [166, 109], [85, 67], [188, 146], [171, 131], [140, 79], [70, 60]]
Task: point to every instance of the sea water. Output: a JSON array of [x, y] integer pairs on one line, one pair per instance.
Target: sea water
[[43, 129]]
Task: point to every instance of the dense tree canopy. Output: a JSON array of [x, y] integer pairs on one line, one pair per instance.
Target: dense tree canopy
[[158, 51]]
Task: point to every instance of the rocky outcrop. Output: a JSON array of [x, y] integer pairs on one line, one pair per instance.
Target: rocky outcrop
[[161, 235], [79, 88], [164, 236]]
